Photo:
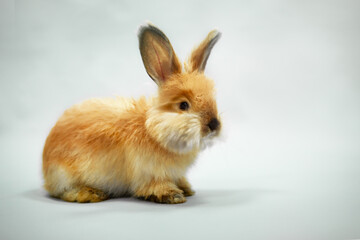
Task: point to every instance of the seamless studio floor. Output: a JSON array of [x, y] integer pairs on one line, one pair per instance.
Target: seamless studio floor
[[288, 163]]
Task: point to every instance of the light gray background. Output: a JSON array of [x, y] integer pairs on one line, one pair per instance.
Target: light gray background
[[287, 74]]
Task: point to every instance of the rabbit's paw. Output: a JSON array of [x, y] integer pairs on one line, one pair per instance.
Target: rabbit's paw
[[161, 192], [188, 192], [185, 186], [171, 198], [84, 195]]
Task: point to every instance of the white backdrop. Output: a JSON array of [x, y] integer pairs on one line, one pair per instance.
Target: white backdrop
[[288, 80]]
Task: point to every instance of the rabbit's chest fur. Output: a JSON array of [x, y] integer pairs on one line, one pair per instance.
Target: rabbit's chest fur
[[104, 143]]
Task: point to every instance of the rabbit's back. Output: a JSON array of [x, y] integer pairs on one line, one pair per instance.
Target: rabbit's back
[[95, 121], [88, 143]]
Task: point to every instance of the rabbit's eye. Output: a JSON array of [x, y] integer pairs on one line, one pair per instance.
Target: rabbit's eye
[[184, 106]]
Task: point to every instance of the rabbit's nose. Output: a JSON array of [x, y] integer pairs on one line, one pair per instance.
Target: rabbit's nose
[[213, 124]]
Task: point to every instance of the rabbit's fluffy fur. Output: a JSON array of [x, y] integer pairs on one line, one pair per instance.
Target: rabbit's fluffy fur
[[113, 147]]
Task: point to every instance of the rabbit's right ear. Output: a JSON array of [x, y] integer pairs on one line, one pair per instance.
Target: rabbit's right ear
[[157, 54], [201, 53]]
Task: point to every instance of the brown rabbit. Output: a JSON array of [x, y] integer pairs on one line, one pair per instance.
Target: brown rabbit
[[112, 147]]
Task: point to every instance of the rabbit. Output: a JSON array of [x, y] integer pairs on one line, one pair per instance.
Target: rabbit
[[113, 147]]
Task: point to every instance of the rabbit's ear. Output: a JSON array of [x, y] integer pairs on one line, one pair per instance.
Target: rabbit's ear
[[200, 54], [157, 54]]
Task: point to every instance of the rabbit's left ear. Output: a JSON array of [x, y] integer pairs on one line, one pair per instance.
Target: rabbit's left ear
[[158, 56], [200, 54]]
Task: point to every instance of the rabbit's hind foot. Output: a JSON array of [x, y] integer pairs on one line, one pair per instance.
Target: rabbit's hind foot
[[84, 195]]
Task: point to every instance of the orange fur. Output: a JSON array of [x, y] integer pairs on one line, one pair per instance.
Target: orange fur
[[112, 147]]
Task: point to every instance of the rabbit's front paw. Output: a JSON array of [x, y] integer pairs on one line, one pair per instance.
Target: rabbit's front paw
[[185, 186], [161, 192], [188, 192], [171, 198]]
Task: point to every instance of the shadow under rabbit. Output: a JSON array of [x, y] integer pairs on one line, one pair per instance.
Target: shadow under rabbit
[[209, 198]]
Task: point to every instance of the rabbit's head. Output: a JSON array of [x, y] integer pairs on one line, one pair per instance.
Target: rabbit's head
[[184, 116]]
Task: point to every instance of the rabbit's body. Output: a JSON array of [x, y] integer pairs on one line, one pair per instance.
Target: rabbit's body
[[117, 146], [108, 148]]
